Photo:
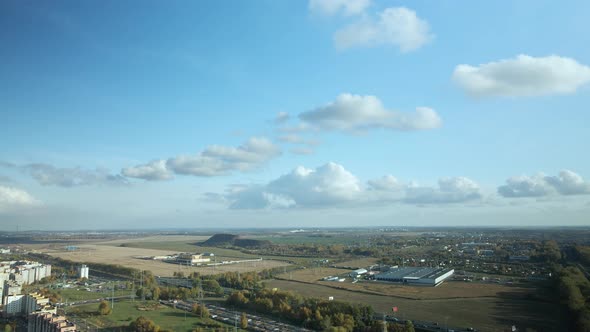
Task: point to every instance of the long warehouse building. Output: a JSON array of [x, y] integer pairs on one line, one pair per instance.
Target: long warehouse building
[[416, 275]]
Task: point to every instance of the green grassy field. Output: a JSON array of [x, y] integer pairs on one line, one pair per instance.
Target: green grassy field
[[127, 311]]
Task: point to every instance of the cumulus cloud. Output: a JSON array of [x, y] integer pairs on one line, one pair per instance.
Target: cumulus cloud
[[523, 76], [397, 26], [566, 183], [358, 113], [333, 7], [257, 197], [220, 160], [155, 170], [385, 183], [569, 183], [450, 190], [330, 184], [49, 175], [14, 198]]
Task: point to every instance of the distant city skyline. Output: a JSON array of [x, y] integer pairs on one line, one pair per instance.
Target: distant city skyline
[[323, 113]]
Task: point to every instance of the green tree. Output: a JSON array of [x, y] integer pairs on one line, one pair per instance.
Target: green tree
[[211, 285], [243, 321], [103, 308], [410, 326], [156, 293], [142, 324], [140, 292], [200, 310], [237, 298], [7, 328]]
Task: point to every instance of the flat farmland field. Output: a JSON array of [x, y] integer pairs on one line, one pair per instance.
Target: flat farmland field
[[447, 290], [487, 313], [127, 256]]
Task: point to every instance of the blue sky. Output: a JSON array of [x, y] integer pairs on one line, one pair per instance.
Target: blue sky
[[338, 112]]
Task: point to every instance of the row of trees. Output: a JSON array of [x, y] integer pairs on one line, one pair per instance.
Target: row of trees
[[583, 254], [574, 292], [310, 312]]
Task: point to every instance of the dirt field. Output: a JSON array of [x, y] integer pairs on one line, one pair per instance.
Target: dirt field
[[126, 256], [486, 314]]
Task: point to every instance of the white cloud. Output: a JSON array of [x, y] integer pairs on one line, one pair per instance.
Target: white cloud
[[566, 183], [256, 197], [220, 160], [155, 170], [523, 76], [569, 183], [333, 7], [332, 185], [450, 190], [398, 26], [385, 183], [327, 185], [281, 117], [13, 198], [49, 175], [357, 113]]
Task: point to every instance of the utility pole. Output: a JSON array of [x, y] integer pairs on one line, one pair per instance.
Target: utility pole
[[235, 322], [142, 290], [113, 296], [200, 296]]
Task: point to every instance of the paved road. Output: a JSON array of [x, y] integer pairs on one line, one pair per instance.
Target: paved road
[[255, 323]]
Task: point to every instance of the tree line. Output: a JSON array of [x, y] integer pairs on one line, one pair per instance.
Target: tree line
[[312, 313]]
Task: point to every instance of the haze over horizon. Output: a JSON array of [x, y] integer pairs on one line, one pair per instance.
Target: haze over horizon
[[324, 113]]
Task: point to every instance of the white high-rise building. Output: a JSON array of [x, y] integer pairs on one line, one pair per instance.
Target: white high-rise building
[[14, 304], [83, 272]]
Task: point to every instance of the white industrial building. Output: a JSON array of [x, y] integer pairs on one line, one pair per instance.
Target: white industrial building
[[416, 275], [357, 273], [83, 271], [191, 259]]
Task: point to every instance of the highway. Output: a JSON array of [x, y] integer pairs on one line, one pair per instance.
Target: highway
[[227, 316]]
